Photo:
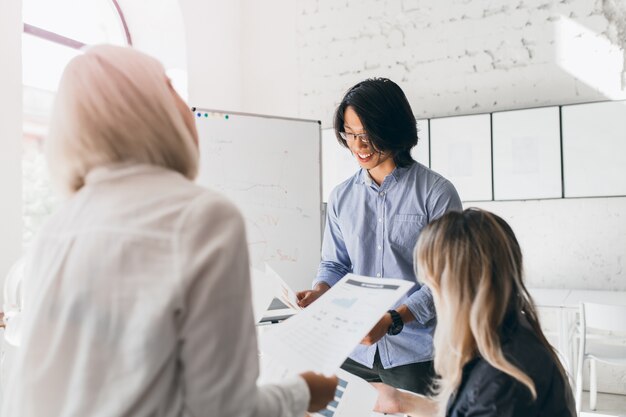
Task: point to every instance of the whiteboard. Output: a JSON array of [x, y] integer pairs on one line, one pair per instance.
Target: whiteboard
[[460, 150], [527, 154], [594, 149], [270, 168]]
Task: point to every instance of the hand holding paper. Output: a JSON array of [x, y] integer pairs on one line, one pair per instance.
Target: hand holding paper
[[321, 336]]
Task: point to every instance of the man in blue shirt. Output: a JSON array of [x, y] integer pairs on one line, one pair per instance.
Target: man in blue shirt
[[373, 221]]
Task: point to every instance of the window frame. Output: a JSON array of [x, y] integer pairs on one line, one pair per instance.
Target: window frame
[[73, 43]]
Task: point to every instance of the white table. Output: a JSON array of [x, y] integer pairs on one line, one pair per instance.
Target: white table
[[567, 301], [564, 298]]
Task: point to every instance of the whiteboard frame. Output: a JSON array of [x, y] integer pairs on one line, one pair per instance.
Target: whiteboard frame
[[577, 186], [321, 208], [477, 184], [546, 180]]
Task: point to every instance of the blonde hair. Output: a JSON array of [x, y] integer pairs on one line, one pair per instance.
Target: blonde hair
[[114, 105], [473, 264]]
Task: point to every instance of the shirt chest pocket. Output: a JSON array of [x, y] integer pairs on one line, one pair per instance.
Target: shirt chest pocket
[[404, 230]]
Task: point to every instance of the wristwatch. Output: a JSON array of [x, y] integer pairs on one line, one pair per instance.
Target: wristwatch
[[397, 323]]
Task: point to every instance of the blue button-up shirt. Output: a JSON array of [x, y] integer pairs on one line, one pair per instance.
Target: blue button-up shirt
[[372, 230]]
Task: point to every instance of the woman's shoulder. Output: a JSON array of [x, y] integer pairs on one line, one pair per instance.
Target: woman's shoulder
[[205, 204], [487, 388], [491, 392]]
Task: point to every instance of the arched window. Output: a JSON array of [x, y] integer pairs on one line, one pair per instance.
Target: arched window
[[54, 32]]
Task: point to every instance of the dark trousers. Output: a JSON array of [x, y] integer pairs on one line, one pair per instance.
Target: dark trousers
[[415, 377]]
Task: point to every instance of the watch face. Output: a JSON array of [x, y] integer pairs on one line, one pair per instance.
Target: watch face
[[396, 325], [395, 329]]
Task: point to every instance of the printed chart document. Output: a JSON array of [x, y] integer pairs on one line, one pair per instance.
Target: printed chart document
[[272, 298], [263, 292], [322, 335], [285, 294], [353, 397]]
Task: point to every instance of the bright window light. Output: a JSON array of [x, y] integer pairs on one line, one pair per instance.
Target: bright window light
[[53, 30], [87, 21], [589, 57]]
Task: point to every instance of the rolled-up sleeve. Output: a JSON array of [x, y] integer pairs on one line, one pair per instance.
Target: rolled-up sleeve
[[421, 305]]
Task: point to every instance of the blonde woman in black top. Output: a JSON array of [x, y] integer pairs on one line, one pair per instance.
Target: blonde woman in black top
[[490, 353]]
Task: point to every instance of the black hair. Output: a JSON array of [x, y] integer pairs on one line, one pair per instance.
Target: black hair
[[386, 116]]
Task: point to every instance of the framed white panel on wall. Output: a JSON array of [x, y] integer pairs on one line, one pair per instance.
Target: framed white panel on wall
[[460, 150], [338, 164], [421, 153], [527, 154], [594, 149]]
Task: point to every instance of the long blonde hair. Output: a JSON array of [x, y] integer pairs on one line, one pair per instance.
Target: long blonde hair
[[473, 263], [114, 105]]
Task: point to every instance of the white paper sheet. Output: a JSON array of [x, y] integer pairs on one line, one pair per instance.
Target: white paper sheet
[[285, 293], [264, 290], [353, 397], [321, 336]]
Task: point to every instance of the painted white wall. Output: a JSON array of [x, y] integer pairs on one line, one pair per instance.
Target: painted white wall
[[569, 243], [10, 134], [234, 49], [213, 32], [270, 64]]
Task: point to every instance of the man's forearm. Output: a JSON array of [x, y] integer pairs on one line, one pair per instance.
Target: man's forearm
[[322, 286], [405, 314]]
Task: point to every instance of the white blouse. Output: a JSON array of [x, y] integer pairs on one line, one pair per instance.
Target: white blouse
[[138, 303]]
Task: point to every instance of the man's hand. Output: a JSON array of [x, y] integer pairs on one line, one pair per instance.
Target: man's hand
[[378, 331], [322, 389], [305, 298]]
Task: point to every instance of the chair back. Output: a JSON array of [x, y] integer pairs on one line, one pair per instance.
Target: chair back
[[606, 317]]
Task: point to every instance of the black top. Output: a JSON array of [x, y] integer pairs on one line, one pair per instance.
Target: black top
[[486, 391]]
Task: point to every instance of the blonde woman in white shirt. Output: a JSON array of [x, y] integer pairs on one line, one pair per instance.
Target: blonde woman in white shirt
[[139, 303]]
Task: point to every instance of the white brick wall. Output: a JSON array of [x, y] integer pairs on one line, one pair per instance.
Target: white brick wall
[[459, 56]]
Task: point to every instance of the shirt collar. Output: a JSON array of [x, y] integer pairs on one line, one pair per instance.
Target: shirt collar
[[119, 170], [396, 175]]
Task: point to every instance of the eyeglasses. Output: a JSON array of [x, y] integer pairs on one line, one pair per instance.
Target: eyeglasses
[[363, 137]]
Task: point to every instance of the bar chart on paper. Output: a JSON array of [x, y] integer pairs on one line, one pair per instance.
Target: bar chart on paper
[[353, 397]]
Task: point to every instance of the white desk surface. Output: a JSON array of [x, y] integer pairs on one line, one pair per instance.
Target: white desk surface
[[576, 297], [546, 297]]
